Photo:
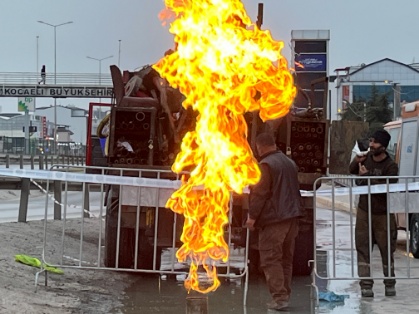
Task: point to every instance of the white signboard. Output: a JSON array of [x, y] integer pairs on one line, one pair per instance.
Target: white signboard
[[145, 196], [26, 104], [59, 92]]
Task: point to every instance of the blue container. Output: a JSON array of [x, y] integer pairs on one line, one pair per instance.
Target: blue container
[[103, 145]]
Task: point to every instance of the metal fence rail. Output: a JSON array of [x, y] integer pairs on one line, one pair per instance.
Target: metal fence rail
[[334, 232], [129, 204], [39, 161], [344, 180], [32, 78], [39, 146]]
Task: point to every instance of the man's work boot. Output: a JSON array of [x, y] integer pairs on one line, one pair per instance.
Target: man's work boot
[[277, 305], [390, 291], [368, 293]]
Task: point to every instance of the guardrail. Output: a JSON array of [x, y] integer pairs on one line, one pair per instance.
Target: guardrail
[[40, 161], [32, 78]]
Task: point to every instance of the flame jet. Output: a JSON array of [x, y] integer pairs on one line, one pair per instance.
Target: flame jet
[[225, 66]]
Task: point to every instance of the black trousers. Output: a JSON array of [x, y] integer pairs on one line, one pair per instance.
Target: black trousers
[[379, 236]]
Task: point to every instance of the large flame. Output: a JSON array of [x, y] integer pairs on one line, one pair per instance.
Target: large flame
[[225, 66]]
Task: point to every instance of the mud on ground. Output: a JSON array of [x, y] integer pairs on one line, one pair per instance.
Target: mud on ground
[[77, 291]]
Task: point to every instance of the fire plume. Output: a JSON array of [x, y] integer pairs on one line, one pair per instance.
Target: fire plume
[[225, 66]]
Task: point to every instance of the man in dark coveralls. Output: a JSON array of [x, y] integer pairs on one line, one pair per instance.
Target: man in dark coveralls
[[275, 208]]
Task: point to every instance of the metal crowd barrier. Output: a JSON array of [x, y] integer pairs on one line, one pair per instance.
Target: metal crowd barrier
[[335, 255], [343, 180], [130, 203]]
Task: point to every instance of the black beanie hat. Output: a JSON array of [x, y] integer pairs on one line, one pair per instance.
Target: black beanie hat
[[382, 137]]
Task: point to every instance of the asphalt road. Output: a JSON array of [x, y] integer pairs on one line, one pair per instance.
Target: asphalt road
[[9, 208]]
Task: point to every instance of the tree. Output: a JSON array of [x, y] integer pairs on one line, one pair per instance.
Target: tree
[[378, 111], [375, 111], [354, 111]]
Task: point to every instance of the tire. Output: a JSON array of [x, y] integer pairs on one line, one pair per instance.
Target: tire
[[127, 244], [414, 235], [127, 249], [124, 258], [104, 127]]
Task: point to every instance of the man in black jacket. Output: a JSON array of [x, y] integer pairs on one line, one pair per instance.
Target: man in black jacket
[[376, 163], [275, 206]]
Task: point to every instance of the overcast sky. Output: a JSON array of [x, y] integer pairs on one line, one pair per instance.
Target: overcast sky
[[362, 31]]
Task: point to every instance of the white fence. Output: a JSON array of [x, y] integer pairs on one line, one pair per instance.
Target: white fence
[[122, 223]]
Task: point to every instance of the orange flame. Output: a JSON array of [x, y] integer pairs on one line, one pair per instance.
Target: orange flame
[[299, 65], [225, 66]]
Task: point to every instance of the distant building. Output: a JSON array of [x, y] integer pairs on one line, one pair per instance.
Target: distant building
[[71, 131], [73, 117], [12, 125], [354, 83], [64, 134]]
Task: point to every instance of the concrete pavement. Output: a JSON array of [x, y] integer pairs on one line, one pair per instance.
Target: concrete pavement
[[406, 267], [341, 202]]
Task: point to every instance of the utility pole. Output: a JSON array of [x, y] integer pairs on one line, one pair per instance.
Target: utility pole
[[100, 68], [259, 20], [255, 118], [55, 77], [119, 54], [396, 101]]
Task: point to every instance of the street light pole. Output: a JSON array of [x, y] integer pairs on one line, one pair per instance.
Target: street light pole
[[37, 53], [27, 122], [100, 67], [55, 76], [119, 54], [396, 100], [364, 109]]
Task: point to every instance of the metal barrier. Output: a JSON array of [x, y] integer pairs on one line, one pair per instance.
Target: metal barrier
[[141, 234], [342, 179], [82, 79], [335, 256], [39, 161]]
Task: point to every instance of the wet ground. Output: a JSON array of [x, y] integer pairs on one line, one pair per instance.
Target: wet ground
[[151, 295], [166, 294]]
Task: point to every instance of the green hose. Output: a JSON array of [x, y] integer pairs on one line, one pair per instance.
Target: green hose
[[34, 262]]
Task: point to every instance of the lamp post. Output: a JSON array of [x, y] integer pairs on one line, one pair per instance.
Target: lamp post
[[55, 75], [37, 53], [119, 53], [396, 98], [396, 101], [100, 67], [28, 123], [364, 108]]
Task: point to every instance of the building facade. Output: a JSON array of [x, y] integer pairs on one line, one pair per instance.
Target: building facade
[[398, 80], [74, 118], [71, 131]]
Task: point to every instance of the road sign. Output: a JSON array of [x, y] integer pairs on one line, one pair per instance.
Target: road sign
[[26, 104], [57, 92]]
